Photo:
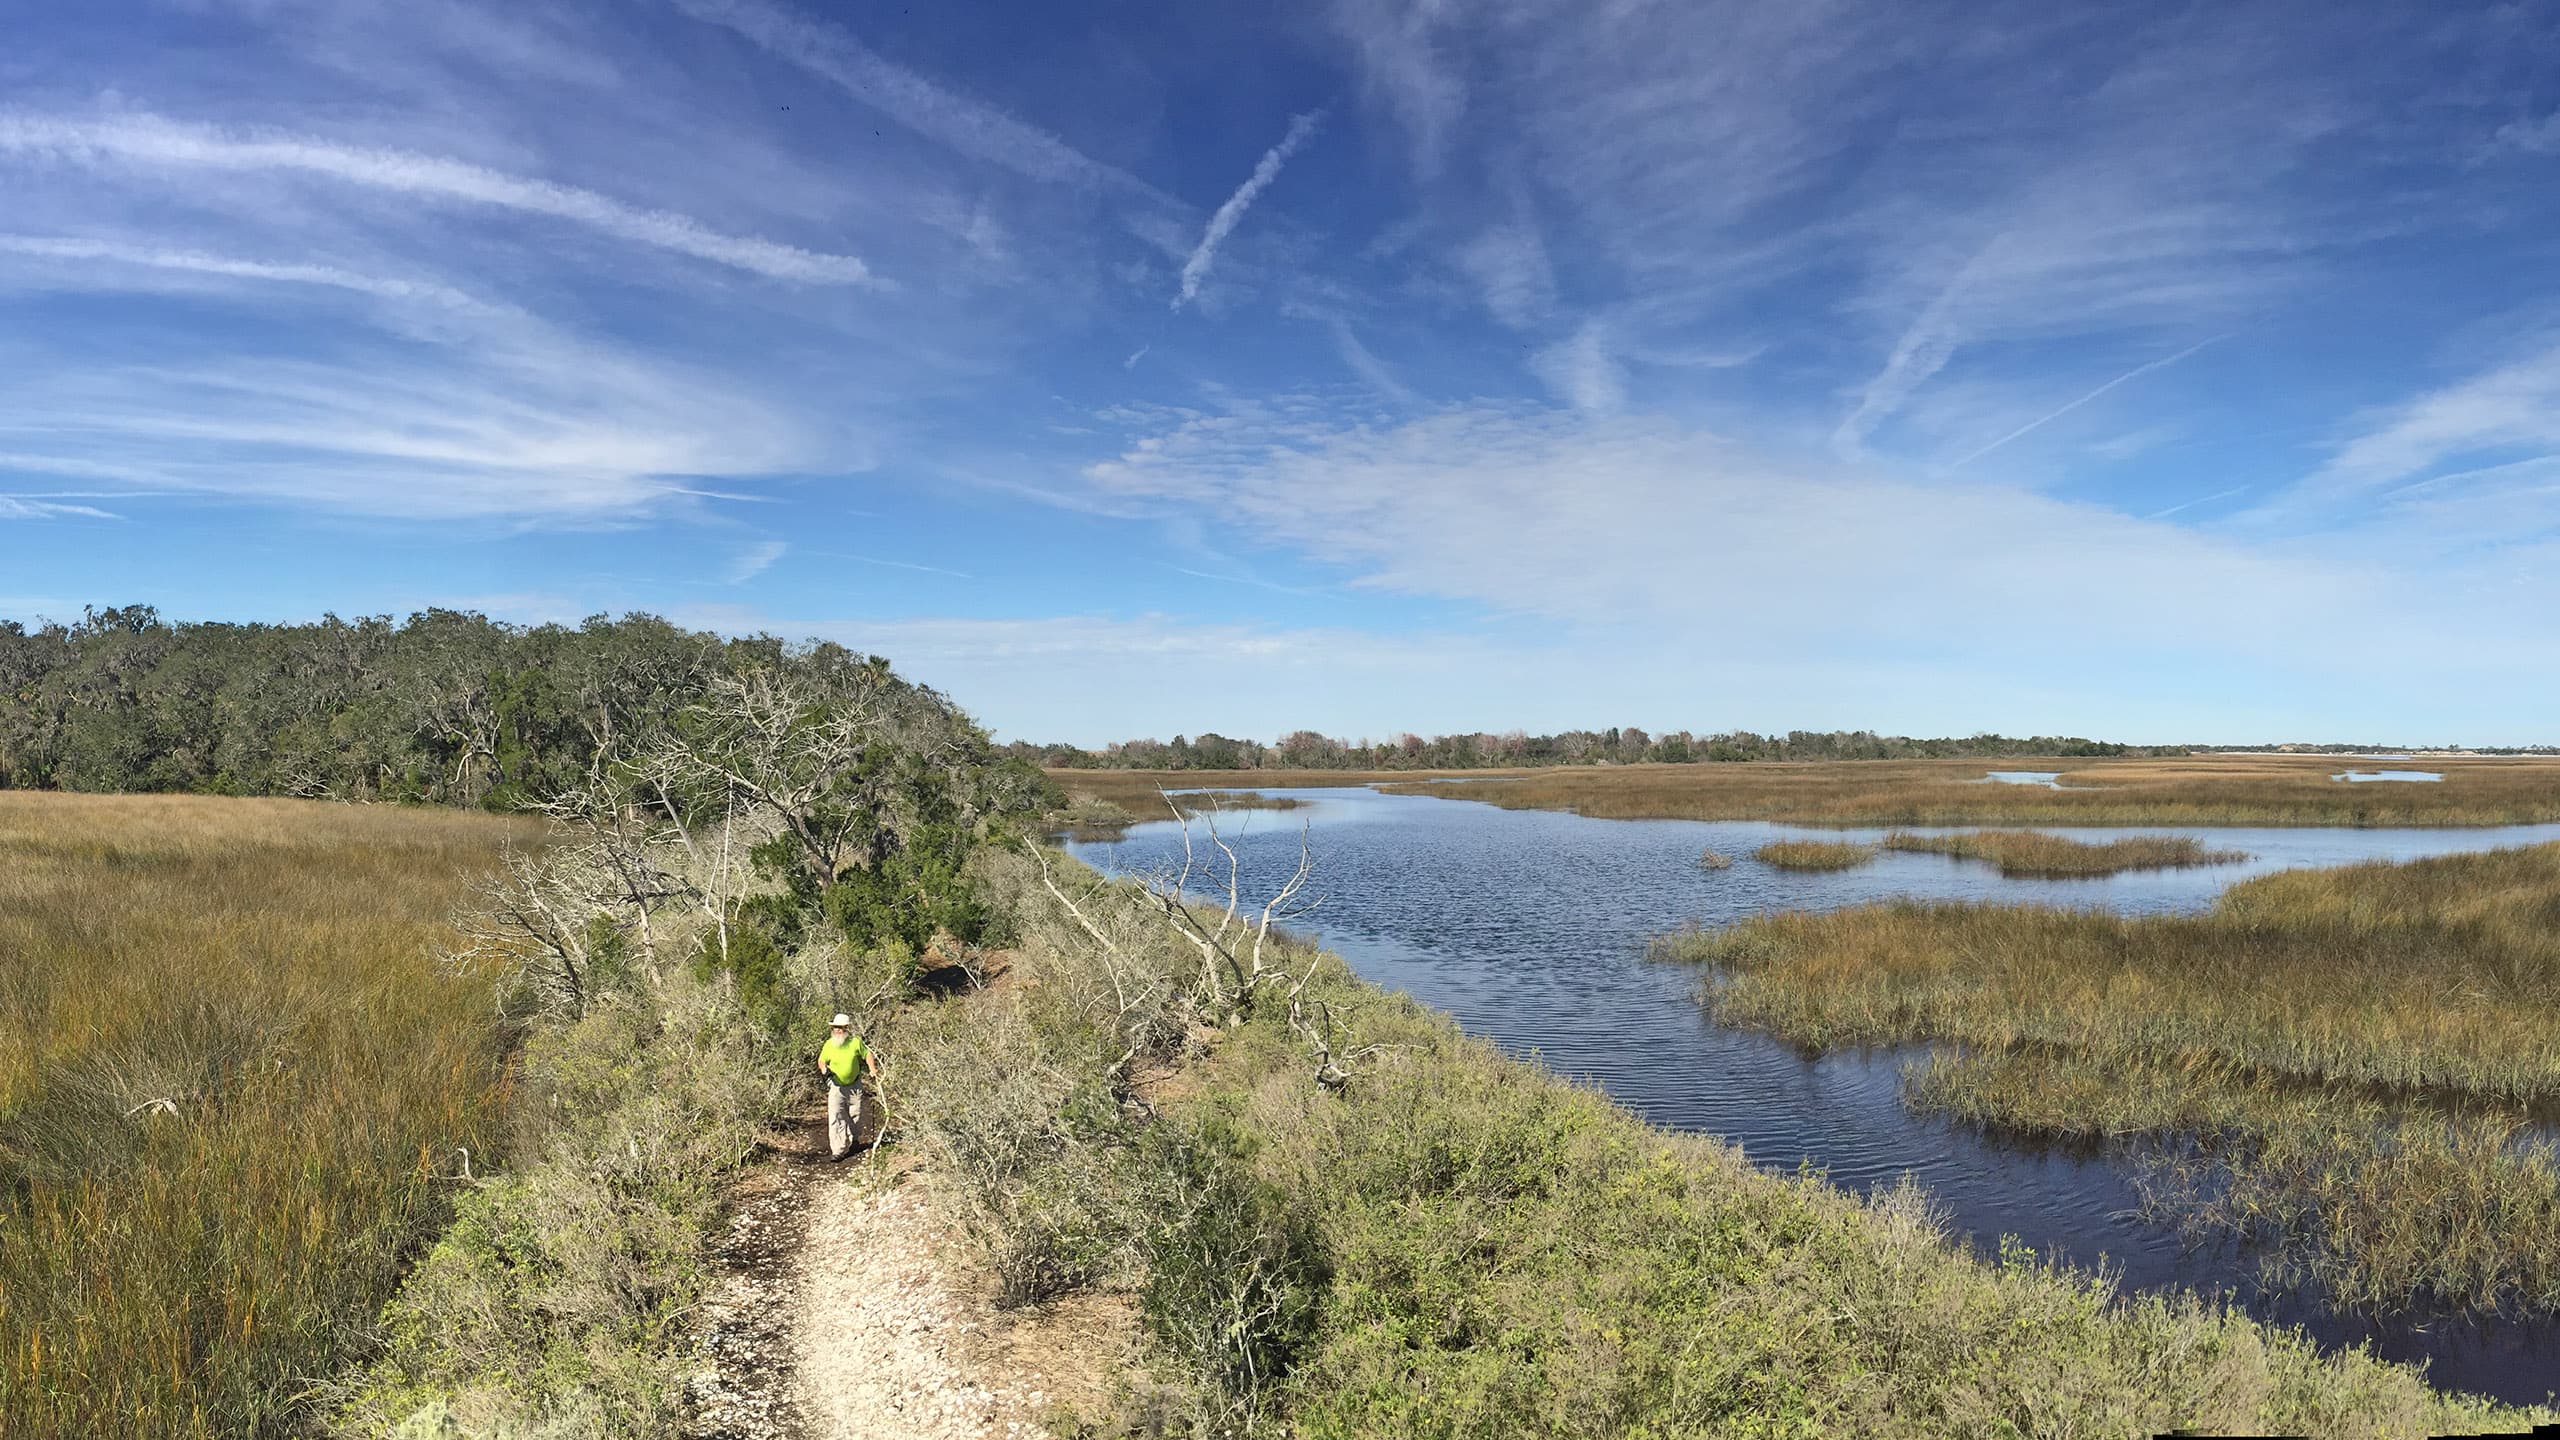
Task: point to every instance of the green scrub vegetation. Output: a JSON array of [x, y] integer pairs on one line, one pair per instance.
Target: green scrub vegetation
[[2032, 853], [2343, 1061], [804, 840], [555, 1302]]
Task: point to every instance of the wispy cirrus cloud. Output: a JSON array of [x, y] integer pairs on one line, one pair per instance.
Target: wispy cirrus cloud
[[1582, 371], [2507, 408], [49, 507], [1231, 214], [2538, 136], [1525, 511], [228, 267], [1397, 45], [1508, 262], [2082, 261], [151, 140], [970, 126], [1365, 363], [750, 561], [1720, 169], [531, 425]]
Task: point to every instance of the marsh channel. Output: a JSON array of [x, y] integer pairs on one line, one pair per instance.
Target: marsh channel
[[1529, 927]]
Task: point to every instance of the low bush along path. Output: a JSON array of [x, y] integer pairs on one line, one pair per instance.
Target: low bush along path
[[848, 1306]]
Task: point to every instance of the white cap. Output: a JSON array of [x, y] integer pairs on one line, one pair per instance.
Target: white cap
[[840, 1020]]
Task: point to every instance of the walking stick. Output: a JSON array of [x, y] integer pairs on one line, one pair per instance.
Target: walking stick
[[880, 1082]]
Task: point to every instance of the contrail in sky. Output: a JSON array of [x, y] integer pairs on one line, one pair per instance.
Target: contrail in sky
[[1196, 269], [2136, 373]]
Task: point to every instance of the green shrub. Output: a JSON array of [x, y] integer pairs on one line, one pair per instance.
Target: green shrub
[[551, 1300], [909, 895], [1032, 1148], [1235, 1270]]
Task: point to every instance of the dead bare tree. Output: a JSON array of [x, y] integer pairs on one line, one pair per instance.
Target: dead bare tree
[[1143, 1001], [604, 838], [305, 782], [620, 851], [1233, 939], [716, 867], [1240, 957], [537, 918], [842, 765], [836, 770], [1241, 962], [1316, 1022], [456, 707]]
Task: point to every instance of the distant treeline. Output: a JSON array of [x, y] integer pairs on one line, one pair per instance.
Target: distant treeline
[[2374, 749], [1627, 745], [447, 707]]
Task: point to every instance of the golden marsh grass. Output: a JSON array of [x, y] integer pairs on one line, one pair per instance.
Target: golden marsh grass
[[2436, 975], [2032, 853], [2358, 1050], [265, 968], [1814, 854], [1135, 790], [2187, 790]]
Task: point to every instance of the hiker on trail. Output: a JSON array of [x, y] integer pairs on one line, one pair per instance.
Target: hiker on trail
[[844, 1058]]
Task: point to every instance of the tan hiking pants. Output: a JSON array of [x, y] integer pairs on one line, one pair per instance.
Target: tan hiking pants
[[844, 1116]]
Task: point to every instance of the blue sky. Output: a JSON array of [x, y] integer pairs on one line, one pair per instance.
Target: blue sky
[[2154, 372]]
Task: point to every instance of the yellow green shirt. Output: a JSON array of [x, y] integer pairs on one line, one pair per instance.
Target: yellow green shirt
[[842, 1058]]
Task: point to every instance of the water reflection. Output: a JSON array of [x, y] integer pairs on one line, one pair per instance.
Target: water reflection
[[2364, 775], [1529, 926]]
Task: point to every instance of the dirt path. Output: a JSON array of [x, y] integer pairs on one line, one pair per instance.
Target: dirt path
[[847, 1307]]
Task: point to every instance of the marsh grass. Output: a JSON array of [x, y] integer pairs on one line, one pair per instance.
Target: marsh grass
[[1814, 854], [1089, 815], [2437, 975], [1214, 801], [2356, 1051], [1459, 1243], [1136, 790], [1714, 860], [232, 1081], [2190, 790], [2382, 1204], [2033, 853]]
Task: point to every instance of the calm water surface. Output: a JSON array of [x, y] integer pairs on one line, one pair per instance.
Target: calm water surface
[[1529, 927]]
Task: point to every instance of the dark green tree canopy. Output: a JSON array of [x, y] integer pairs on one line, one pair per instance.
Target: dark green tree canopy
[[446, 707]]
